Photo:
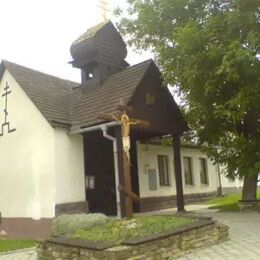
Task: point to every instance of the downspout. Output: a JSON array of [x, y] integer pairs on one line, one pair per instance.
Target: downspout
[[113, 139], [104, 128]]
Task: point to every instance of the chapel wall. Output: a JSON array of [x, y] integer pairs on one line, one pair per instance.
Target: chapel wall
[[69, 167], [26, 157]]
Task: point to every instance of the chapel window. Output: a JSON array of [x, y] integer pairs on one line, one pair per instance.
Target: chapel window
[[204, 179], [163, 170], [188, 173]]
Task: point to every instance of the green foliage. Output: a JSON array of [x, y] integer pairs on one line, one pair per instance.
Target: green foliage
[[227, 207], [228, 202], [209, 50], [68, 224], [119, 230], [10, 245]]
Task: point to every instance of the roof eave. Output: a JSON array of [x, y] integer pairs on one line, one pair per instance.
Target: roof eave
[[57, 123], [2, 69]]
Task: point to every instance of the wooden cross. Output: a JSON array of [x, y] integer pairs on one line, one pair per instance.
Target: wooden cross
[[126, 123], [6, 123]]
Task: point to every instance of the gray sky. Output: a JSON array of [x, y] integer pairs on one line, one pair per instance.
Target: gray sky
[[38, 33]]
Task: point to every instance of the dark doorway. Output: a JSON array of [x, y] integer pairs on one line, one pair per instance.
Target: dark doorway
[[99, 173]]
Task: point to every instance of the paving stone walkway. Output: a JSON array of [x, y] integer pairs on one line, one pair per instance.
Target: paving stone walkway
[[29, 254], [244, 243]]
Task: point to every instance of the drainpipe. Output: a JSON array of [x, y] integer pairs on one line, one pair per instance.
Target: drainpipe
[[113, 139], [104, 128]]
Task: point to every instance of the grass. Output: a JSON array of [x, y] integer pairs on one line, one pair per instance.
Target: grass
[[228, 202], [10, 245], [119, 230]]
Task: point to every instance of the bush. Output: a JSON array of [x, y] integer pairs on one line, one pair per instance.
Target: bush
[[67, 224]]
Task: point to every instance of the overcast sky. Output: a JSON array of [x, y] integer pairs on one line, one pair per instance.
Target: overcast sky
[[38, 33]]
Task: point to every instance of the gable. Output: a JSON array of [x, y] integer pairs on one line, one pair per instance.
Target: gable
[[90, 102], [153, 102], [51, 95], [21, 111]]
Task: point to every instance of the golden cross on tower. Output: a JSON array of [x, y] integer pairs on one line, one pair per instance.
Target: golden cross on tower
[[104, 7]]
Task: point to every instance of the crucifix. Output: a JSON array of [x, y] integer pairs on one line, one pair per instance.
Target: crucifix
[[6, 123], [126, 123]]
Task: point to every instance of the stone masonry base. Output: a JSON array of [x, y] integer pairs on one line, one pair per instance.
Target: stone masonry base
[[160, 248]]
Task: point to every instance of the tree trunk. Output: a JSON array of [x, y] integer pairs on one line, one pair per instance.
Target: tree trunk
[[249, 188]]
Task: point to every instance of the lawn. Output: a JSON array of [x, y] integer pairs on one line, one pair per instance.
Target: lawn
[[10, 245], [116, 230], [228, 202]]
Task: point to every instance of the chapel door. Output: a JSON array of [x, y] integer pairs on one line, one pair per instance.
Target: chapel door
[[99, 172]]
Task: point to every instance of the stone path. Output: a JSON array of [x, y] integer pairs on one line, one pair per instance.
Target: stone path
[[244, 243], [29, 254]]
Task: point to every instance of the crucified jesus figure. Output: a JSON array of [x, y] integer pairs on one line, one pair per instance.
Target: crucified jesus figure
[[126, 123]]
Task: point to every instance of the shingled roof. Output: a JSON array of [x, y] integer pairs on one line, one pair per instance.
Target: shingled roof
[[51, 95], [65, 102], [101, 43], [88, 103], [91, 32]]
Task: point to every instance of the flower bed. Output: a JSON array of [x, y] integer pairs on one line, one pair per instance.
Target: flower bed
[[119, 230]]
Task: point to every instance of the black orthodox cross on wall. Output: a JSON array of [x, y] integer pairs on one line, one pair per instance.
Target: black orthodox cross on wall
[[6, 123]]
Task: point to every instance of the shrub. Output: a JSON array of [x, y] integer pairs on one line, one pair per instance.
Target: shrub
[[67, 224]]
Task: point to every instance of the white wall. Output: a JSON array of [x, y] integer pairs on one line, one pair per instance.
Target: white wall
[[26, 158], [40, 166], [147, 159], [195, 154], [69, 167], [227, 183]]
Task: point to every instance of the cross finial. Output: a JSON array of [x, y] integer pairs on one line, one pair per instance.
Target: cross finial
[[103, 5]]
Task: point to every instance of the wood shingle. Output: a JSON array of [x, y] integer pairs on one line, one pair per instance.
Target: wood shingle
[[51, 95], [70, 104]]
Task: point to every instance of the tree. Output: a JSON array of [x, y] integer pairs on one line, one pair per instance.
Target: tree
[[209, 50]]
